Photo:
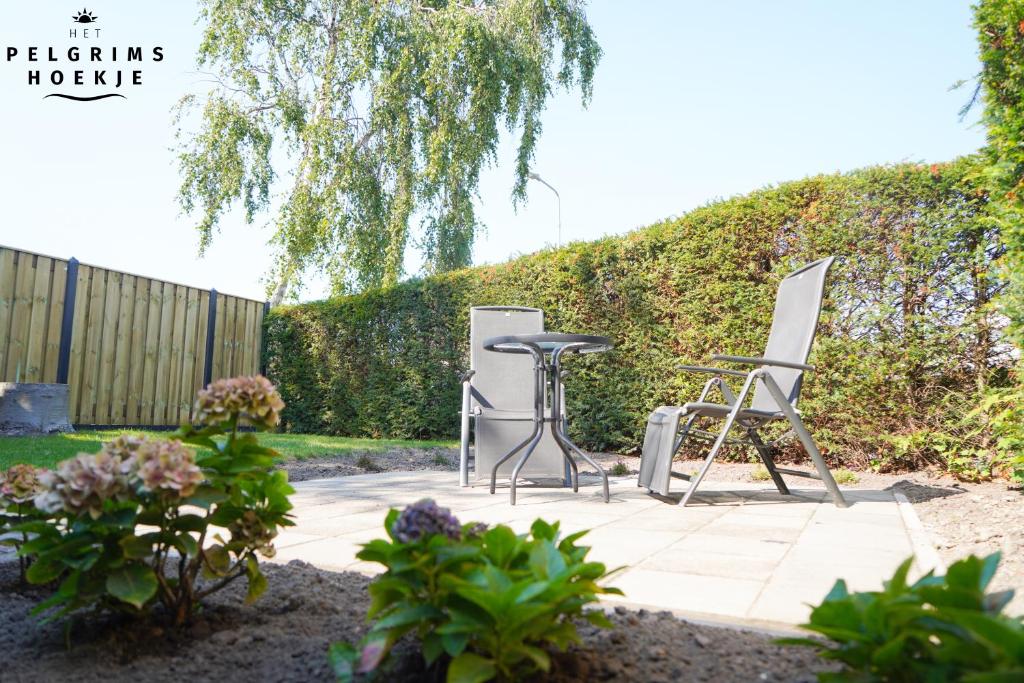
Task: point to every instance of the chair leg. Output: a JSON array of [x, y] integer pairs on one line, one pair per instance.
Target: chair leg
[[683, 433], [769, 463], [695, 481], [464, 443], [806, 439], [730, 420]]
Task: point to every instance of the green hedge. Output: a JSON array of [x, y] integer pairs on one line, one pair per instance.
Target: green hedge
[[907, 343]]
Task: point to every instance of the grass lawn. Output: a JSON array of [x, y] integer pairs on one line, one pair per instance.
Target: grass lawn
[[46, 451]]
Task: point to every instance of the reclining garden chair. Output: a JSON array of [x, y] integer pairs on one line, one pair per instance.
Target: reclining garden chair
[[498, 395], [775, 382]]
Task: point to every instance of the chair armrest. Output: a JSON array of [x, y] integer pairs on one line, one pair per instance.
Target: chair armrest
[[746, 360], [466, 376], [711, 371]]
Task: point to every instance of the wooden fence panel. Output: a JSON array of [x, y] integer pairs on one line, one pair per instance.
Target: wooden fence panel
[[136, 351], [51, 356], [31, 305], [8, 274]]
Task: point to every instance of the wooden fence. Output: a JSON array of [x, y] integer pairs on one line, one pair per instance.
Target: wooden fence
[[133, 350]]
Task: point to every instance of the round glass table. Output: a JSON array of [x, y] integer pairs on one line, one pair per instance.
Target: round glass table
[[548, 373]]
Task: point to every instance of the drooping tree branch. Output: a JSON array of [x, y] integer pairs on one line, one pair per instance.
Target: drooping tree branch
[[376, 114]]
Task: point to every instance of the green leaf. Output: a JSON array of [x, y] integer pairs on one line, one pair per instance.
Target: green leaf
[[409, 615], [137, 547], [546, 560], [257, 580], [432, 646], [186, 544], [542, 530], [133, 583], [44, 571], [471, 668], [342, 658], [217, 561], [1015, 675], [539, 657], [454, 643], [190, 523], [501, 543], [206, 496]]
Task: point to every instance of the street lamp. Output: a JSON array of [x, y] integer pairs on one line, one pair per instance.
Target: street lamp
[[534, 176]]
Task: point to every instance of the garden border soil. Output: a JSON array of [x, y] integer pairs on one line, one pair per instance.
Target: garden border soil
[[285, 635]]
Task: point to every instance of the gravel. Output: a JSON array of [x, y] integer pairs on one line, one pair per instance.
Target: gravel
[[285, 636]]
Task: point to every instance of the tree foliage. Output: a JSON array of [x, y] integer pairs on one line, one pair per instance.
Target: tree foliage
[[373, 115], [908, 344]]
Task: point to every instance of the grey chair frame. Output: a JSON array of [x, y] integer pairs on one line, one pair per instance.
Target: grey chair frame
[[749, 421], [468, 414]]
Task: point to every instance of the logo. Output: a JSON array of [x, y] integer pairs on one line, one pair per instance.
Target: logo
[[89, 70], [84, 17]]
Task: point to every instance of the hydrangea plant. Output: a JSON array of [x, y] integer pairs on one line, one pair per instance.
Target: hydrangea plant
[[484, 602], [939, 628], [18, 488], [146, 522]]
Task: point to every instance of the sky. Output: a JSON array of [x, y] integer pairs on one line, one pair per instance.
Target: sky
[[693, 101]]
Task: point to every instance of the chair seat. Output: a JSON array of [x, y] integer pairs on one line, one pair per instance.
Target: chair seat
[[499, 414], [721, 411]]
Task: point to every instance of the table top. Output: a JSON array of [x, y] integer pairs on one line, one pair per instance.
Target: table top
[[547, 342]]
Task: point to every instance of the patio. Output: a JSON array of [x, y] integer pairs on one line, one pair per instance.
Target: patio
[[740, 553]]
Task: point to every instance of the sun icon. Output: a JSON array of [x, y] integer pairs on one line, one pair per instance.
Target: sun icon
[[84, 17]]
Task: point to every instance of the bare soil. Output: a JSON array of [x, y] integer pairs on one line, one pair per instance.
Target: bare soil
[[393, 460], [285, 636]]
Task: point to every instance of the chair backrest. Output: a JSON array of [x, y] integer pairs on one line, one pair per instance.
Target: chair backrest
[[797, 309], [502, 380]]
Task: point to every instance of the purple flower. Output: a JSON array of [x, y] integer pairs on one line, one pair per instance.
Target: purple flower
[[424, 519], [477, 529]]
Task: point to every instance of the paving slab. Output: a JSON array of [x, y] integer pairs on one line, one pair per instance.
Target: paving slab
[[739, 552]]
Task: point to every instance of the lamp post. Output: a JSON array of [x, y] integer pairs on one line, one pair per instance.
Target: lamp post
[[534, 176]]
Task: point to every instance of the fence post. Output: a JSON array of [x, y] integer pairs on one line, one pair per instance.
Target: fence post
[[263, 339], [67, 321], [211, 329]]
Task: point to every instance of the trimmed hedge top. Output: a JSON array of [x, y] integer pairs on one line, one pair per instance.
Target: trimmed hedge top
[[907, 339]]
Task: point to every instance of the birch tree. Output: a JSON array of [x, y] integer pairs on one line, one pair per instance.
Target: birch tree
[[359, 128]]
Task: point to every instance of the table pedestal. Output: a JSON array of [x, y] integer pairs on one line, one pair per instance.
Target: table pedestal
[[537, 345]]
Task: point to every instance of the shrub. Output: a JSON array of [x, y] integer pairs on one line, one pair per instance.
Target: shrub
[[1000, 30], [129, 527], [18, 488], [760, 473], [365, 462], [908, 339], [488, 599], [845, 476], [1000, 27], [941, 628], [1005, 411], [620, 468]]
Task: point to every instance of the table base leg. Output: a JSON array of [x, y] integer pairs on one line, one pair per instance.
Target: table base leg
[[535, 435], [566, 444]]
